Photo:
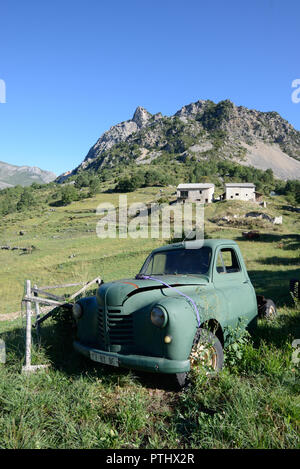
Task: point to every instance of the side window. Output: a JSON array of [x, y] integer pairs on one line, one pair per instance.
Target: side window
[[227, 262]]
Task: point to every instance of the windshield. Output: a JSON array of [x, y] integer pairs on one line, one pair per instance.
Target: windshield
[[178, 261]]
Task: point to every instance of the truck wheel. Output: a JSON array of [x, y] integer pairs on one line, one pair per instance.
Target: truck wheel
[[269, 310], [206, 354]]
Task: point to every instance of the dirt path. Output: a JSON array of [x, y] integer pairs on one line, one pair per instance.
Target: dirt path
[[10, 316], [17, 314]]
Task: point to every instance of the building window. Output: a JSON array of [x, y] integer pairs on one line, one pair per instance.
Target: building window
[[237, 194], [184, 193]]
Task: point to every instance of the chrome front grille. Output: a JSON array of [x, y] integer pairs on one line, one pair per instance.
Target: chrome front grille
[[115, 328], [101, 325]]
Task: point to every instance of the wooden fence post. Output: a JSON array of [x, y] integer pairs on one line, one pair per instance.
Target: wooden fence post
[[28, 326], [32, 296], [37, 316], [28, 367]]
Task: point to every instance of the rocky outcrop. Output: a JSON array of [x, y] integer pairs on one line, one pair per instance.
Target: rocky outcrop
[[141, 117], [192, 110], [116, 134]]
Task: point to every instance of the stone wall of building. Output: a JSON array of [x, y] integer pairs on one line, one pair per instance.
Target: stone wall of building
[[240, 193]]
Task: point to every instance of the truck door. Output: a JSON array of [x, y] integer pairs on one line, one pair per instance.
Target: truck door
[[231, 279]]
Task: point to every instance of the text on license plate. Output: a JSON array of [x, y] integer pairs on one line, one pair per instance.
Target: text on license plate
[[105, 359]]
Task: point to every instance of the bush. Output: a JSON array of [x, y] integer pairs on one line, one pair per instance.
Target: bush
[[292, 191], [68, 194], [82, 180], [238, 340], [130, 184], [94, 185], [26, 200]]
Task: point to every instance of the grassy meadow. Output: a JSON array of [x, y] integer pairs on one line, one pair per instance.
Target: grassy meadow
[[253, 403]]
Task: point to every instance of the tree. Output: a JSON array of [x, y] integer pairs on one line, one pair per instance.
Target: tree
[[7, 205], [26, 200], [151, 178], [68, 194], [94, 186], [292, 191], [82, 180], [130, 184]]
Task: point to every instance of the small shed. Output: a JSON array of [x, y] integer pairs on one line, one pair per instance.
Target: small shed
[[240, 191], [203, 193]]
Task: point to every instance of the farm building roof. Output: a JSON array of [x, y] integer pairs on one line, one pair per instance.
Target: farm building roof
[[195, 186], [240, 184]]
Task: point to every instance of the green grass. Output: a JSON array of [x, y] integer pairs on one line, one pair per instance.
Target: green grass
[[253, 403]]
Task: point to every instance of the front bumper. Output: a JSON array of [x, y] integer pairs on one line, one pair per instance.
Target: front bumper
[[139, 362]]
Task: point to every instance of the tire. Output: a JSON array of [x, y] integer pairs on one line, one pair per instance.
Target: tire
[[212, 357], [269, 310], [295, 288]]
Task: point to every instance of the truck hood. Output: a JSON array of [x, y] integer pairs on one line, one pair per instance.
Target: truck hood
[[115, 293]]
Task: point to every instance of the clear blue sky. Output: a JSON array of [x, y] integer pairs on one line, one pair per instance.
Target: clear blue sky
[[73, 68]]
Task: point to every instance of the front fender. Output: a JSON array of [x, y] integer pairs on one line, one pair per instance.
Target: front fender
[[181, 326], [87, 325]]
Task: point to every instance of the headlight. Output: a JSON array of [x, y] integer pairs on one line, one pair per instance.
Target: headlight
[[77, 311], [159, 317]]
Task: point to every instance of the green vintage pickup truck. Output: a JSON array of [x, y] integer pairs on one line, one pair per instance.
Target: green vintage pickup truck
[[175, 314]]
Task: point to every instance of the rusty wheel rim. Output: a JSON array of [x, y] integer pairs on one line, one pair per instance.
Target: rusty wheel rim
[[203, 356], [271, 312]]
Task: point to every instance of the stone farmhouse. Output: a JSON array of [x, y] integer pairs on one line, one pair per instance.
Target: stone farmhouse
[[203, 193], [240, 191]]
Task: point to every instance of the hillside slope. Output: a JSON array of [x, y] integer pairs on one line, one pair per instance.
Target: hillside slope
[[11, 175], [203, 130], [77, 403], [264, 156]]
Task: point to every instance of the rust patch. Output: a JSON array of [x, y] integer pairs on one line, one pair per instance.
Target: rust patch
[[130, 283]]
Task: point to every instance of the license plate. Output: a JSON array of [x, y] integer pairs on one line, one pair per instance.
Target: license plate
[[105, 359]]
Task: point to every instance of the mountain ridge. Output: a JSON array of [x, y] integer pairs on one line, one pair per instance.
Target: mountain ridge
[[202, 130], [12, 175]]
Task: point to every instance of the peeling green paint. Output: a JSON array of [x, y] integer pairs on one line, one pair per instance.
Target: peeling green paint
[[117, 321]]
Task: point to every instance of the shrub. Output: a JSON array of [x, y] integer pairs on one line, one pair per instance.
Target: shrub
[[130, 184], [82, 180], [68, 194], [26, 200], [94, 185], [238, 338]]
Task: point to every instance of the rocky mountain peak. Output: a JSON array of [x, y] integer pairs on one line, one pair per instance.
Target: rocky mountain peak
[[200, 131], [191, 109], [141, 116]]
